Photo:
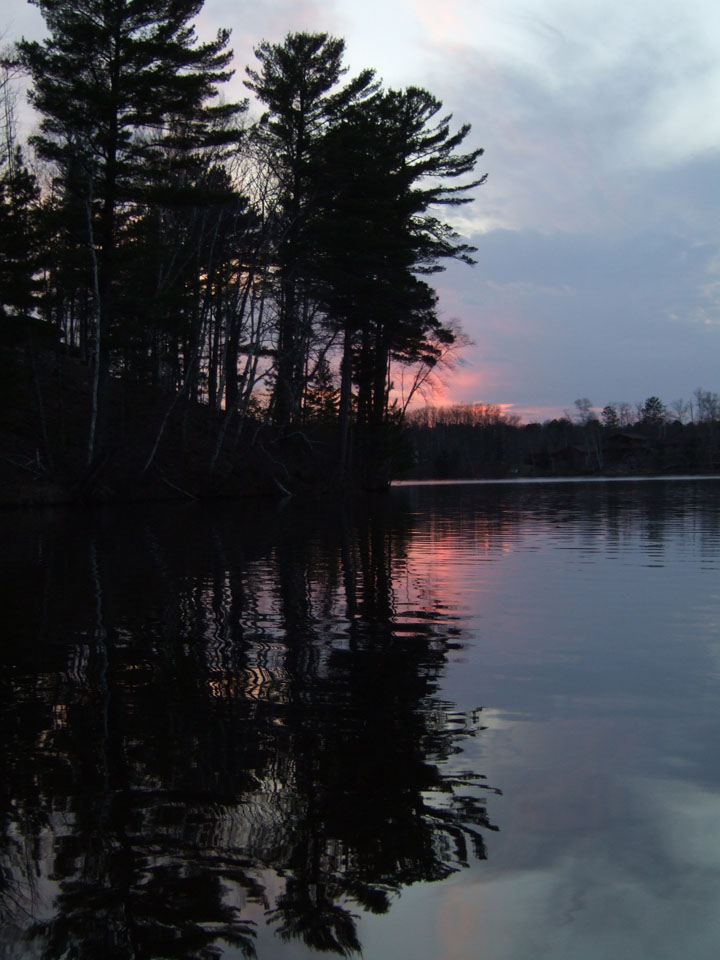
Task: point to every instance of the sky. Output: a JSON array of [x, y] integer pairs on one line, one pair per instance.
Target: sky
[[598, 229]]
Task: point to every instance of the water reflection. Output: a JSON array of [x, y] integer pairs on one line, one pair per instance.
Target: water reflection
[[592, 615], [215, 718], [227, 728]]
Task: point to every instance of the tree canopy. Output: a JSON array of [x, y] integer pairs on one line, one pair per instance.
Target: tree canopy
[[277, 270]]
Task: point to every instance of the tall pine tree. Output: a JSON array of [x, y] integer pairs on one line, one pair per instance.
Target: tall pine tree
[[300, 84], [117, 83], [389, 166], [19, 196]]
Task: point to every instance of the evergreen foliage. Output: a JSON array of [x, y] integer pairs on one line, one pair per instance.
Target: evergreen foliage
[[19, 238], [123, 90], [279, 272], [299, 82]]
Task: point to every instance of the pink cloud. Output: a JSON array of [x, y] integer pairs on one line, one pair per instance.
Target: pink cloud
[[439, 19]]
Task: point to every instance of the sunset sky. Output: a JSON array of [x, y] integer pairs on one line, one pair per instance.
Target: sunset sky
[[598, 268]]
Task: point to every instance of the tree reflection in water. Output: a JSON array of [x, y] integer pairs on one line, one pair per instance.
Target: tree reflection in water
[[214, 716]]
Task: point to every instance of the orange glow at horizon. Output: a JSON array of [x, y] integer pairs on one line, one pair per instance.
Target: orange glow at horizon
[[468, 388]]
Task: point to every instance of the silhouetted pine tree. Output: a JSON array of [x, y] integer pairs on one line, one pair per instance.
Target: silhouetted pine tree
[[124, 89], [299, 82]]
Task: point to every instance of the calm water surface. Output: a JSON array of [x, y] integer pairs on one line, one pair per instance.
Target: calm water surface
[[457, 722]]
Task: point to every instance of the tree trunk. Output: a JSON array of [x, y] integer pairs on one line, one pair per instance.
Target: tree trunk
[[345, 404]]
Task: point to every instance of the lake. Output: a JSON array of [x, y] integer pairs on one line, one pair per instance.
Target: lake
[[475, 721]]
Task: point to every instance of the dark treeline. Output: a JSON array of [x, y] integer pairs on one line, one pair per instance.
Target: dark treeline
[[481, 440], [272, 270]]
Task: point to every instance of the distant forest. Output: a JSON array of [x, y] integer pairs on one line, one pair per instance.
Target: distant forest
[[480, 440], [156, 240]]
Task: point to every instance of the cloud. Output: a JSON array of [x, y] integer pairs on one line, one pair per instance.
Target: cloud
[[597, 229], [563, 315], [572, 99]]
